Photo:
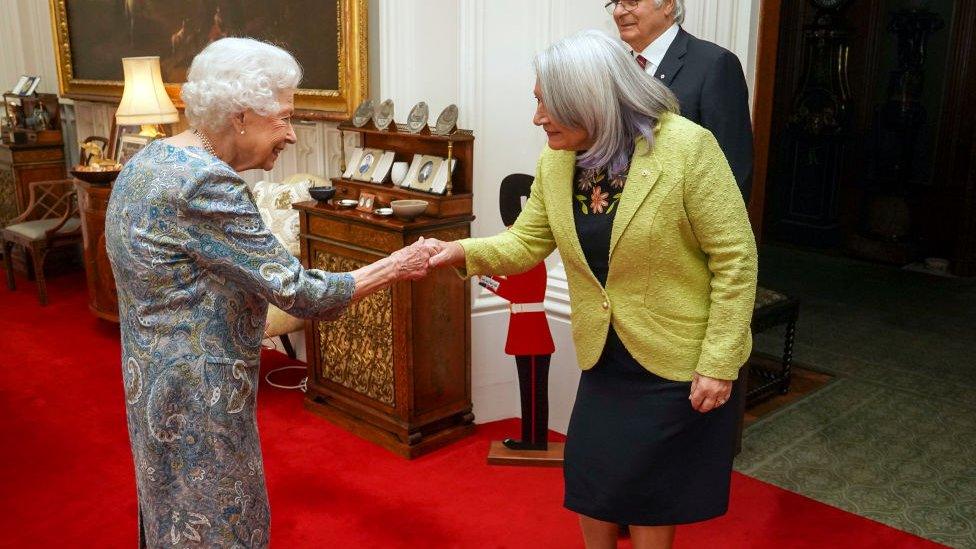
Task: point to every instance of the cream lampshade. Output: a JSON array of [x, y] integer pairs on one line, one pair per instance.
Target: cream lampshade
[[144, 99]]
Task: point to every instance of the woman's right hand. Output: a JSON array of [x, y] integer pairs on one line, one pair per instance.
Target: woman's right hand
[[444, 254], [411, 262]]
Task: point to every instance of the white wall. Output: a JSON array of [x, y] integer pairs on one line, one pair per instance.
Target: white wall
[[26, 45], [477, 54]]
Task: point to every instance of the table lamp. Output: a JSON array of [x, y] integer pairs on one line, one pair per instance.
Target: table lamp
[[144, 99]]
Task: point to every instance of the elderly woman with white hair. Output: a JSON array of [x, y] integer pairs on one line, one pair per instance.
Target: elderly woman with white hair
[[661, 264], [195, 269]]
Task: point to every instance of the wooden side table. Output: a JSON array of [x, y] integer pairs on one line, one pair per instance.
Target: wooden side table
[[773, 375], [92, 204]]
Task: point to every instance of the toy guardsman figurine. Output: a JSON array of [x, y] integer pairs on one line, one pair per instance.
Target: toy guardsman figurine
[[529, 338]]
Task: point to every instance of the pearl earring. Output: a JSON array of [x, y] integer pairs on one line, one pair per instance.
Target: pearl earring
[[242, 132]]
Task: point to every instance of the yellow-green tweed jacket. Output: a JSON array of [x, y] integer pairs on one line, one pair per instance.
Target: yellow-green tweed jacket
[[682, 278]]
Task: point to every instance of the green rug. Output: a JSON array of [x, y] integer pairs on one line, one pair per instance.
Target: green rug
[[893, 437]]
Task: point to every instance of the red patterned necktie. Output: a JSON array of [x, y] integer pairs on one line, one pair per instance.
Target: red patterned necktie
[[642, 62]]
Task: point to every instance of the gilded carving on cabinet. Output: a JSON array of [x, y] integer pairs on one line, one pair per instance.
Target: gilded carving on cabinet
[[8, 197], [328, 37], [357, 349]]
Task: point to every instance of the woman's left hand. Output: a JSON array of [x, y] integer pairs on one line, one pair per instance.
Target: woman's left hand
[[708, 393]]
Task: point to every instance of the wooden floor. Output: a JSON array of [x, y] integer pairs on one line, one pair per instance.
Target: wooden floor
[[803, 382]]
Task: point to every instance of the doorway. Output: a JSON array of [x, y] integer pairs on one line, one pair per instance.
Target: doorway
[[864, 131]]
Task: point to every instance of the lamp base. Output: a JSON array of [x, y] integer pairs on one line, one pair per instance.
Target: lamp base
[[152, 131]]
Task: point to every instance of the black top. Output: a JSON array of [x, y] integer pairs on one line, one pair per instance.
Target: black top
[[596, 195]]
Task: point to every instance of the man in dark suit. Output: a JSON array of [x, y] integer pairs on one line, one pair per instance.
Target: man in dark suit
[[706, 78]]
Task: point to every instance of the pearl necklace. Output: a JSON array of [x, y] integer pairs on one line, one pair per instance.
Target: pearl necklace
[[207, 143]]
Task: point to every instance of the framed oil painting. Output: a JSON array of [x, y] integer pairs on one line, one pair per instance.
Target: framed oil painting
[[328, 37]]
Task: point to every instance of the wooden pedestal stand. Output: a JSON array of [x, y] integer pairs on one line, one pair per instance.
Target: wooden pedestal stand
[[499, 454]]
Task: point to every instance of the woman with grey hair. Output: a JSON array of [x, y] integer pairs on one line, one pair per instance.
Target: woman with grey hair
[[195, 269], [661, 264]]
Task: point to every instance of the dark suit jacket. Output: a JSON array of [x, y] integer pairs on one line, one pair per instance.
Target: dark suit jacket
[[712, 91]]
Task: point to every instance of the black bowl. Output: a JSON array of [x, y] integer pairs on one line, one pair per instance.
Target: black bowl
[[103, 177], [322, 193]]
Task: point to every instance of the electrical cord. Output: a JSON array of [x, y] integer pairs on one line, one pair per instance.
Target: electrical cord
[[301, 386]]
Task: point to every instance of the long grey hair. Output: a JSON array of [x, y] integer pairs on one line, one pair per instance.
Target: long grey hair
[[590, 82]]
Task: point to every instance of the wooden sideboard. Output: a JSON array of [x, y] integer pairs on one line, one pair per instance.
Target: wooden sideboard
[[20, 165], [92, 204], [395, 368]]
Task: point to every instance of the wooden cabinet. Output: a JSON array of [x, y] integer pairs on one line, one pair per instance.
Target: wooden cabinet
[[92, 204], [20, 165], [396, 367]]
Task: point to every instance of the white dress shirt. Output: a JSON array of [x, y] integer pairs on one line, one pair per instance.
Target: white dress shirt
[[654, 53]]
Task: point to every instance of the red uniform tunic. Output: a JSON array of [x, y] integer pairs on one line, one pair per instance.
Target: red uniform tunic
[[528, 333]]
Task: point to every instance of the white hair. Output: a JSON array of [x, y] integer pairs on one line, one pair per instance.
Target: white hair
[[679, 10], [589, 81], [233, 75]]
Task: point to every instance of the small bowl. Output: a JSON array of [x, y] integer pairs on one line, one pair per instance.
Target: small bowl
[[101, 177], [321, 193], [348, 203], [383, 212], [408, 209]]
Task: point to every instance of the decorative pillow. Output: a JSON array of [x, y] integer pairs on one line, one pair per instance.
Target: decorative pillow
[[274, 201]]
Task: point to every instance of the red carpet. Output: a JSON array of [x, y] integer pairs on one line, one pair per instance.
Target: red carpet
[[67, 476]]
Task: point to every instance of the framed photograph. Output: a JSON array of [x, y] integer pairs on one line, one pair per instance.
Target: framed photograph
[[327, 37], [352, 163], [420, 177], [21, 85], [439, 185], [115, 137], [32, 86], [367, 164], [366, 202], [128, 146], [383, 166]]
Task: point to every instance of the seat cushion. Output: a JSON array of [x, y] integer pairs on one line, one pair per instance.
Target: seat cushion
[[766, 297], [34, 230], [280, 322]]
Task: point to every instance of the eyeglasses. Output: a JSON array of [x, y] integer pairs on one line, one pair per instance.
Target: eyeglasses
[[627, 5]]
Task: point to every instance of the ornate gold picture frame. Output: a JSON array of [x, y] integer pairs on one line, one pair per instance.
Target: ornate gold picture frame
[[90, 42]]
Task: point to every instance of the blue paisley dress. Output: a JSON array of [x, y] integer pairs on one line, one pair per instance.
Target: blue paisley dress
[[195, 269]]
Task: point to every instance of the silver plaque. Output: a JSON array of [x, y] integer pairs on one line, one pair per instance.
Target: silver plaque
[[363, 113], [417, 120], [384, 114], [447, 121]]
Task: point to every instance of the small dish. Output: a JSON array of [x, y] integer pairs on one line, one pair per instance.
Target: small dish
[[348, 203], [383, 212]]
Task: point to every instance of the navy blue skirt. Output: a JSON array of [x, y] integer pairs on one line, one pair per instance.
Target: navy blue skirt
[[638, 453]]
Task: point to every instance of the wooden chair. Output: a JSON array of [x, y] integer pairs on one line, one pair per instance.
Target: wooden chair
[[50, 220]]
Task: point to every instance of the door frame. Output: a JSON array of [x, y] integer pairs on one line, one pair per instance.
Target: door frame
[[767, 46]]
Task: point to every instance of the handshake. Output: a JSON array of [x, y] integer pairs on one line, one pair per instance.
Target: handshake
[[418, 259]]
